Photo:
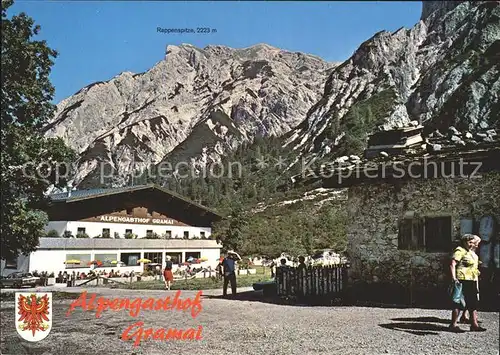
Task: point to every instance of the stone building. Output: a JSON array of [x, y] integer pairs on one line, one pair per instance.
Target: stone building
[[406, 213]]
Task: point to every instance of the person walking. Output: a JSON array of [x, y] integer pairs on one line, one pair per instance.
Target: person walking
[[229, 265], [219, 269], [465, 318], [464, 269], [273, 269], [168, 276], [302, 263]]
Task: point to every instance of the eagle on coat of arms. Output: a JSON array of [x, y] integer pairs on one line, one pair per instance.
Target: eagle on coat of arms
[[33, 312]]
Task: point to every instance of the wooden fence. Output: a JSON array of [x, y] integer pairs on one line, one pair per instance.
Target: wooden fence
[[315, 281]]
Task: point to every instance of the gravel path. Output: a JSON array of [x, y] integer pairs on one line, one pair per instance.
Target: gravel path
[[253, 327]]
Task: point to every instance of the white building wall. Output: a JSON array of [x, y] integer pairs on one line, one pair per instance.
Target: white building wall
[[50, 260], [53, 260], [94, 229]]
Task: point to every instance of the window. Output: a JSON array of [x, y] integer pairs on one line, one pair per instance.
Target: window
[[77, 261], [106, 233], [154, 257], [437, 232], [176, 257], [128, 231], [186, 235], [11, 264], [193, 255], [80, 230], [149, 233], [202, 235], [130, 259], [168, 234], [466, 225], [410, 234], [431, 234], [107, 260]]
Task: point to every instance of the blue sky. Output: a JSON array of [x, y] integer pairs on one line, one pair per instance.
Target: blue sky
[[97, 40]]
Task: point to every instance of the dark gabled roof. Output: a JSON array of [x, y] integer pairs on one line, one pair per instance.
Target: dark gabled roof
[[90, 193], [80, 195]]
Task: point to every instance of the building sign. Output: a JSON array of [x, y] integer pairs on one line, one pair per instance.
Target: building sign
[[124, 219], [135, 220]]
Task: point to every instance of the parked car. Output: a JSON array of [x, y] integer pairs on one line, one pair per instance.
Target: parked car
[[20, 279]]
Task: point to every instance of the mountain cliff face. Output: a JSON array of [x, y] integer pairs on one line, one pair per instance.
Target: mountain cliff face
[[197, 104], [437, 8], [443, 72], [193, 105]]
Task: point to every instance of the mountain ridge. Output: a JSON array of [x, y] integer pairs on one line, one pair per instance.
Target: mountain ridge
[[141, 118], [198, 104], [417, 74]]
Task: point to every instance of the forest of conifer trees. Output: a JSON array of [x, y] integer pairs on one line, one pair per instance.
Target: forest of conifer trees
[[299, 228]]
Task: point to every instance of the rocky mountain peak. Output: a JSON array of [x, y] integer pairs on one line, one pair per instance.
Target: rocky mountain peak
[[442, 72], [198, 103], [438, 7], [210, 99]]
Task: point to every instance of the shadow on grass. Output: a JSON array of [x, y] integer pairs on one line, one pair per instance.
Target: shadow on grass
[[185, 285]]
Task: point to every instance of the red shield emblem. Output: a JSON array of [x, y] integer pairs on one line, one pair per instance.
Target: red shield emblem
[[33, 315]]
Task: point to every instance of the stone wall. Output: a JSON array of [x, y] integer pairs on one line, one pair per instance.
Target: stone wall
[[375, 211]]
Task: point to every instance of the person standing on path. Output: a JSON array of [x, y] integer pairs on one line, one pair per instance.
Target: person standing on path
[[465, 319], [219, 269], [168, 276], [229, 265], [302, 263], [273, 269], [464, 269]]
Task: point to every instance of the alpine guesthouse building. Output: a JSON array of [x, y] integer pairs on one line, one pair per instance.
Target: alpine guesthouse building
[[115, 228]]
